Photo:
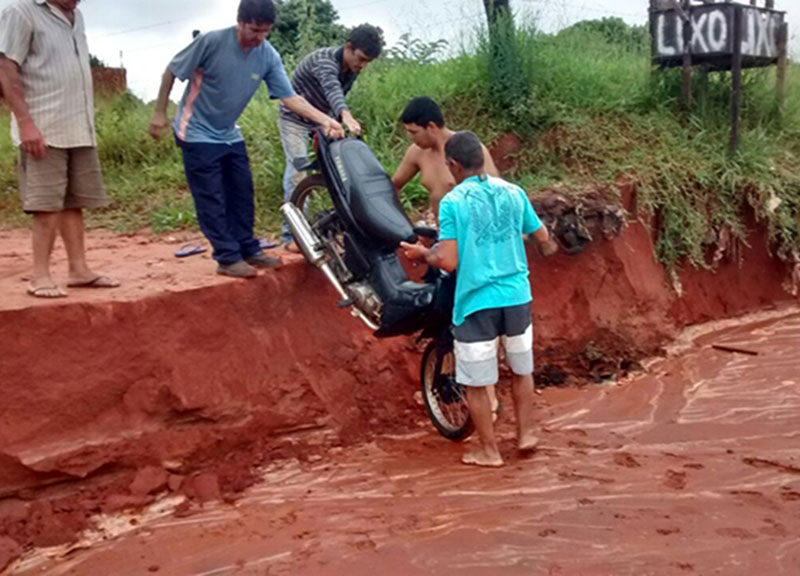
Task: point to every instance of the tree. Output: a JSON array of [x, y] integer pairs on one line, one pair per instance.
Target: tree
[[304, 25], [506, 76], [95, 62], [495, 10], [409, 49], [614, 31]]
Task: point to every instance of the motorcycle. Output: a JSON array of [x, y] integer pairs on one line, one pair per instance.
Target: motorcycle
[[348, 222]]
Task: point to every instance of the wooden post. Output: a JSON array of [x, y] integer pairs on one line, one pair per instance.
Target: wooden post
[[687, 57], [653, 70], [783, 58], [736, 70]]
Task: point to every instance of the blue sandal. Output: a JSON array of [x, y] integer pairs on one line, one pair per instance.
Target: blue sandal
[[190, 249]]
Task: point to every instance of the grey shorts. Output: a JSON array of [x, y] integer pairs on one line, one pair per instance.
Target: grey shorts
[[477, 340], [65, 179]]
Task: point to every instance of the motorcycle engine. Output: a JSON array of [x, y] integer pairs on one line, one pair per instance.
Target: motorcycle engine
[[365, 299]]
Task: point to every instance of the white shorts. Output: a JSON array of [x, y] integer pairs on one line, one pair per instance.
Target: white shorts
[[478, 338]]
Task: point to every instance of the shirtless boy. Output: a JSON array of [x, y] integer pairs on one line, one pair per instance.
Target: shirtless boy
[[428, 133]]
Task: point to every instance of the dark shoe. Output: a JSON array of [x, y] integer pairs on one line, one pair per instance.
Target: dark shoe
[[261, 260], [240, 269]]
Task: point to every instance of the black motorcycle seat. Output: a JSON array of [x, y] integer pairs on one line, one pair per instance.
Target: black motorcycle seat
[[373, 199]]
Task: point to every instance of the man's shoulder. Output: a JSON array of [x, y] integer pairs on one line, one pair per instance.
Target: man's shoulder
[[497, 182], [215, 39], [326, 53], [414, 152], [22, 5], [457, 193], [219, 35], [23, 8], [270, 51]]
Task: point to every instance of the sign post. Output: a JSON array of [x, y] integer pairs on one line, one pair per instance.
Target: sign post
[[719, 36]]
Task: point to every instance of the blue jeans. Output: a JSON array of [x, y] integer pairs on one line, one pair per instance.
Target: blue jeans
[[294, 140], [221, 183]]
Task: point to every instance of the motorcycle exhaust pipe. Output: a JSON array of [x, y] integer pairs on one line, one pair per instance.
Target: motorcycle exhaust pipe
[[310, 246], [304, 236]]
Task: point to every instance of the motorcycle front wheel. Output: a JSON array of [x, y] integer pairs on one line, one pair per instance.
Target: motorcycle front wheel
[[311, 196], [445, 399]]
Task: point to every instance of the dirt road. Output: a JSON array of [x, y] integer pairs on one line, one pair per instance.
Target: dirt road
[[692, 468]]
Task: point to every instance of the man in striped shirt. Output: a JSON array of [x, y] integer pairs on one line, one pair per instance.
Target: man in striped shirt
[[225, 68], [47, 81], [324, 78]]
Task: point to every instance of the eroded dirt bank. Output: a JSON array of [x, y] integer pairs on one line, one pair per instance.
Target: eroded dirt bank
[[183, 381], [690, 469]]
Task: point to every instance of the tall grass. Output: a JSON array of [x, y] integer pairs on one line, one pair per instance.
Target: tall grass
[[594, 111], [9, 198]]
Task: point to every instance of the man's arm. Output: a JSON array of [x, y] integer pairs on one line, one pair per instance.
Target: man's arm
[[489, 165], [547, 245], [542, 235], [182, 66], [160, 121], [16, 34], [301, 107], [409, 167], [443, 255], [328, 75], [32, 140], [533, 227], [352, 124]]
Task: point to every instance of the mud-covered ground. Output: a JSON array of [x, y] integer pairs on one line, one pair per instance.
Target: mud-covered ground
[[247, 411], [691, 468]]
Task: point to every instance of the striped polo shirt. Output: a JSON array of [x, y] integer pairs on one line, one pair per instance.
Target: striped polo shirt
[[53, 57], [320, 79]]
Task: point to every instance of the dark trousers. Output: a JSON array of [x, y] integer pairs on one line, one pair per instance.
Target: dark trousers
[[221, 183]]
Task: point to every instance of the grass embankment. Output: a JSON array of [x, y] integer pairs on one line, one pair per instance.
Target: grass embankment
[[594, 112]]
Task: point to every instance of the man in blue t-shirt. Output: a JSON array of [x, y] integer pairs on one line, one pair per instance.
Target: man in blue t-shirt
[[482, 221], [225, 68]]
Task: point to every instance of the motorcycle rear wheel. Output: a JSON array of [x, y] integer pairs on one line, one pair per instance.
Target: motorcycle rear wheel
[[445, 399]]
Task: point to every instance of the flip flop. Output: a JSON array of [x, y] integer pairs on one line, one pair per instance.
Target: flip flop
[[190, 249], [38, 292], [97, 282]]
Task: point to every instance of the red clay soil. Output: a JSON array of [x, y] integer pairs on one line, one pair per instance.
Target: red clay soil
[[689, 469], [185, 380]]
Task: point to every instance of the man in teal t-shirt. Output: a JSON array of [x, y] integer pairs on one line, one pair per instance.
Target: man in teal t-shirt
[[481, 226]]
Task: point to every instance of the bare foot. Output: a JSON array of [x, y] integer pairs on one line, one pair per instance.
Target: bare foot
[[527, 442], [479, 457]]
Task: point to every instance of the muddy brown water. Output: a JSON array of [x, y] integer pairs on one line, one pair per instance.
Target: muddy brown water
[[691, 468]]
